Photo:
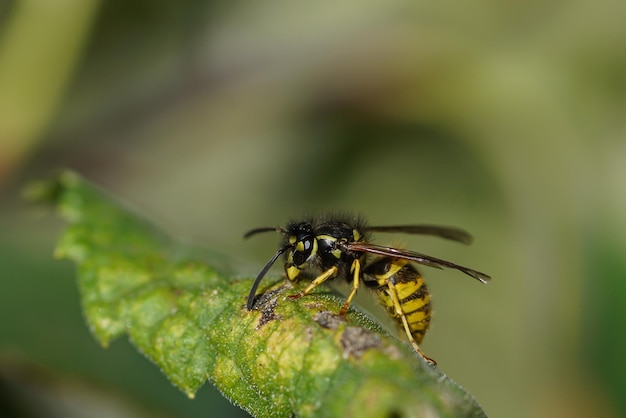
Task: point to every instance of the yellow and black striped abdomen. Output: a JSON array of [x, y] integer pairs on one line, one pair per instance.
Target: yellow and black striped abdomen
[[401, 289]]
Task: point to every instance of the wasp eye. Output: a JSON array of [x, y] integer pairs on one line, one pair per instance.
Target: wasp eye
[[303, 251], [299, 258]]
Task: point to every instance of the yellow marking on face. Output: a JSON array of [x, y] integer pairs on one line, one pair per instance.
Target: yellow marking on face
[[356, 234], [292, 272], [292, 239], [300, 246]]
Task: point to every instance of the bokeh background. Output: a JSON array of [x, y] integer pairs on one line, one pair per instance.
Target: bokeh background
[[210, 118]]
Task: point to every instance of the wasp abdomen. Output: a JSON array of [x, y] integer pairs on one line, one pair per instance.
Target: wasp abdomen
[[402, 291]]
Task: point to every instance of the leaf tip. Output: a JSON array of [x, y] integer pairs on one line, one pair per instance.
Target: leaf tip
[[49, 190], [41, 191]]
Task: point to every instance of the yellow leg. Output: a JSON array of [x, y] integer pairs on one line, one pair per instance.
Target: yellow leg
[[331, 272], [398, 308], [356, 279]]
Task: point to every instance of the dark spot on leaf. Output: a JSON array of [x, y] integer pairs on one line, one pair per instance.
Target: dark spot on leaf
[[355, 341], [328, 320], [267, 297], [266, 303], [267, 313]]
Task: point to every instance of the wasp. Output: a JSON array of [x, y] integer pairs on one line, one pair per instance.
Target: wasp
[[337, 247]]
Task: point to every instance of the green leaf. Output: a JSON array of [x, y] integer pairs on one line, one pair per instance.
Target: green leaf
[[285, 358]]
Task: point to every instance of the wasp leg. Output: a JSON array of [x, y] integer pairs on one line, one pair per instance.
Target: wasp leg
[[356, 270], [331, 272], [398, 308]]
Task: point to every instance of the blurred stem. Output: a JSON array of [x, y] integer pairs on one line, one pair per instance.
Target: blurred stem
[[39, 48]]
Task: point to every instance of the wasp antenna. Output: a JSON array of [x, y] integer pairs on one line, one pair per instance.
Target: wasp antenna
[[263, 229], [258, 279]]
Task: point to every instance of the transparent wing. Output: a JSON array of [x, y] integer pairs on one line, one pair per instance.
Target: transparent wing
[[419, 258], [447, 232]]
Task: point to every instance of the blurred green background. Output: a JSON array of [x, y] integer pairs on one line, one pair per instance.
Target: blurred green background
[[505, 118]]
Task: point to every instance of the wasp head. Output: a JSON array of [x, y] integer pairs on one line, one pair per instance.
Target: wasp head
[[303, 246]]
